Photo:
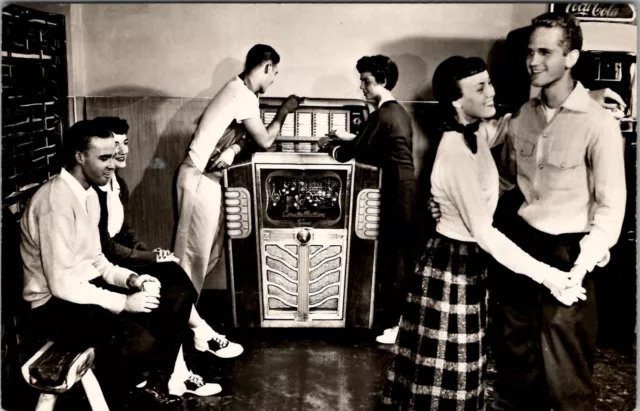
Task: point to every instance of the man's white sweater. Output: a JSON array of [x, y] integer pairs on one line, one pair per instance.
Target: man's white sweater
[[60, 247]]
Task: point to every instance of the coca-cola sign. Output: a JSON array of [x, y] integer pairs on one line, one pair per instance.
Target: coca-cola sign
[[615, 12]]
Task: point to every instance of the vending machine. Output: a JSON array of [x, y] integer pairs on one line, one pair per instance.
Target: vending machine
[[607, 60], [301, 227]]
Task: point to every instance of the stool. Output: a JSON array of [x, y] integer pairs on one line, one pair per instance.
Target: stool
[[55, 368]]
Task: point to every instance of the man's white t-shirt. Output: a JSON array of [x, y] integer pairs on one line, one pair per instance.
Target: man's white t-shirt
[[233, 104]]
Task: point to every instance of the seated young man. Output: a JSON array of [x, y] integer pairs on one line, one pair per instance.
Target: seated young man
[[135, 322]]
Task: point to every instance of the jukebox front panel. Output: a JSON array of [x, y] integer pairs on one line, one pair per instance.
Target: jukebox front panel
[[303, 226]]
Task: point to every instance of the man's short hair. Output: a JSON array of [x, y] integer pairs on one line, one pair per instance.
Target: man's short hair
[[381, 67], [78, 136], [572, 39], [258, 55], [116, 125], [445, 79]]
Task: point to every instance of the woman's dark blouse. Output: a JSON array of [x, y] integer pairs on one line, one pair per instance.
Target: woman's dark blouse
[[385, 142], [125, 248]]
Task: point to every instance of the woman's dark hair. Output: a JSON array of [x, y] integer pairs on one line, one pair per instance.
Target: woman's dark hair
[[77, 139], [381, 67], [258, 55], [445, 79], [116, 125]]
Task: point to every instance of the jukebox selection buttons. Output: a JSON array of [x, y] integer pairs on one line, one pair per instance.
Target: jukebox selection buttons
[[368, 215], [237, 212]]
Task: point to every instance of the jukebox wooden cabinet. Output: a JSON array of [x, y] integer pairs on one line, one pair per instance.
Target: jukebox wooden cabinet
[[302, 228]]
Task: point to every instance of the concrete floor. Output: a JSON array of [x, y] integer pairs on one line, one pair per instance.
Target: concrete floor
[[331, 370], [341, 370]]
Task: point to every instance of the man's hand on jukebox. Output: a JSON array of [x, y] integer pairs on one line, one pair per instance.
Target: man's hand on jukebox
[[291, 103]]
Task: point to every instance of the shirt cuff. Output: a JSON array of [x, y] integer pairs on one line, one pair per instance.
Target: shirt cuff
[[120, 276], [115, 303], [591, 254]]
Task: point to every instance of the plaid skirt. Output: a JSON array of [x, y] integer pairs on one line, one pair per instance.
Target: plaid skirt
[[439, 360]]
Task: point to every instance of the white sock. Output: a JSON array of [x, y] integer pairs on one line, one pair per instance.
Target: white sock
[[204, 331], [180, 370]]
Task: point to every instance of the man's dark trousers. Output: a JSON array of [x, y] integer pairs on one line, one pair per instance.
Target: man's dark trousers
[[544, 349]]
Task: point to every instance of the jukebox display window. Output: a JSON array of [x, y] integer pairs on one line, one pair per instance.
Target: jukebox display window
[[304, 198]]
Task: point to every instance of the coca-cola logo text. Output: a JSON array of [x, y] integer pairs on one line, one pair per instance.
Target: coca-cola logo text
[[600, 11]]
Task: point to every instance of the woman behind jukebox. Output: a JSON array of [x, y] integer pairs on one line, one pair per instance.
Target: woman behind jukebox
[[440, 353], [385, 142]]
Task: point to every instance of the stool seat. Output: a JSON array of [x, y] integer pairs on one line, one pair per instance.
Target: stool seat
[[56, 367]]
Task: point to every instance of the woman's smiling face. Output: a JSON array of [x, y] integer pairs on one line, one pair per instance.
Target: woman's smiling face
[[477, 96], [122, 150]]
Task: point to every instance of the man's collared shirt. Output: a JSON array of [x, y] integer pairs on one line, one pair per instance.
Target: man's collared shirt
[[76, 188], [570, 171]]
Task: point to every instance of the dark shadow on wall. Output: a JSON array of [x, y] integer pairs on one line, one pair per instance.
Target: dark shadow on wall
[[161, 128]]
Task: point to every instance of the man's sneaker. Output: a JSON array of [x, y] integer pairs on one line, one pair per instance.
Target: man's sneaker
[[388, 336], [219, 346], [194, 384]]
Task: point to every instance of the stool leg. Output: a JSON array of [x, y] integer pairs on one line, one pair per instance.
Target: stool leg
[[46, 402], [94, 392]]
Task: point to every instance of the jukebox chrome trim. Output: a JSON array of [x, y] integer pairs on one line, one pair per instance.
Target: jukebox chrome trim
[[237, 212]]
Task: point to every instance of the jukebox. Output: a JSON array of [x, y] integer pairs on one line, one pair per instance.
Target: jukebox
[[302, 228]]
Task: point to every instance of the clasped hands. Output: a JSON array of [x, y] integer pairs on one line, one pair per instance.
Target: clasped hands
[[566, 287]]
